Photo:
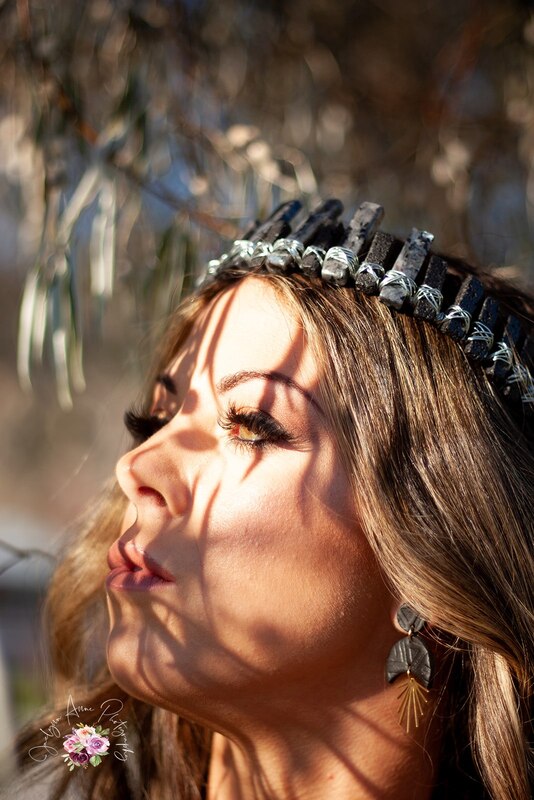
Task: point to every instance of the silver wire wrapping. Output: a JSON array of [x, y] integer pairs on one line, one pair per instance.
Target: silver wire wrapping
[[291, 246], [339, 265], [259, 254], [519, 375], [431, 294], [481, 333], [312, 261], [216, 265], [459, 313], [313, 250], [528, 396], [375, 271], [243, 248], [396, 278], [284, 254], [262, 249], [504, 354]]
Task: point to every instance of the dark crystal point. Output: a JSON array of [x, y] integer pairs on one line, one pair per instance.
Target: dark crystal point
[[410, 653], [522, 375], [338, 266], [458, 318], [271, 231], [429, 298], [257, 260], [527, 352], [284, 213], [480, 341], [363, 226], [408, 263], [326, 212], [279, 262], [252, 230], [334, 233], [380, 257], [312, 261], [328, 236], [286, 254], [501, 361]]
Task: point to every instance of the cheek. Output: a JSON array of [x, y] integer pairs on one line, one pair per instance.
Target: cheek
[[287, 571], [274, 581]]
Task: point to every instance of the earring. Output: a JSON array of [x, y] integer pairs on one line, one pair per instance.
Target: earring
[[410, 657]]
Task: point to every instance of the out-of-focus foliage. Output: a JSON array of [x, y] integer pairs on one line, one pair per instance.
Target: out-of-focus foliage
[[138, 134]]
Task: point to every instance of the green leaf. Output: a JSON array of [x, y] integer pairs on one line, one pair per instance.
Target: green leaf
[[95, 760], [102, 242], [83, 196], [26, 324], [39, 322]]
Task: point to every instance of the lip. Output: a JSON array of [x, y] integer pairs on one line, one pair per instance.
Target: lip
[[134, 569]]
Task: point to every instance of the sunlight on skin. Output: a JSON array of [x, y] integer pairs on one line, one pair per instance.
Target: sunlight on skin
[[277, 627]]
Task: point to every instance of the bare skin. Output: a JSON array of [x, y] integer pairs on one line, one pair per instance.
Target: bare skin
[[276, 627]]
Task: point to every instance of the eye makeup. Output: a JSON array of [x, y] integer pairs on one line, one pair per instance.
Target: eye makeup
[[142, 426], [249, 428], [266, 431]]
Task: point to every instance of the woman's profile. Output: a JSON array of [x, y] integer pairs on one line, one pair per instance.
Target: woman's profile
[[312, 577]]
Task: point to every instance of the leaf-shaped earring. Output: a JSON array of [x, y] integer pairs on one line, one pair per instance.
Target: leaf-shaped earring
[[410, 657]]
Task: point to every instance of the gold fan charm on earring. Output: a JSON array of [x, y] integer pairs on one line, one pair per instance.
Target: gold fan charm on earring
[[413, 699], [410, 657]]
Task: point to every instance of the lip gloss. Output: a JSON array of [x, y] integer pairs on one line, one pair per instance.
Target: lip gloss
[[136, 580]]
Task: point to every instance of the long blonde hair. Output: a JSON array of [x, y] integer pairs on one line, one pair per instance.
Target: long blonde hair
[[443, 477]]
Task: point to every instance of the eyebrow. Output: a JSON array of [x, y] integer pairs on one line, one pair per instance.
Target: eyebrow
[[231, 381]]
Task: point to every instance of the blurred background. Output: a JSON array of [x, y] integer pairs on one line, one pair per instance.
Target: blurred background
[[137, 137]]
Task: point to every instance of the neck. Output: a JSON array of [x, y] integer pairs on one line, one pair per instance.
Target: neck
[[359, 752]]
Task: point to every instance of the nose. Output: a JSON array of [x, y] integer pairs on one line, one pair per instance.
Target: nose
[[151, 476]]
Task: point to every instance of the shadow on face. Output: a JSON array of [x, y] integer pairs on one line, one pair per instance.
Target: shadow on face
[[241, 497]]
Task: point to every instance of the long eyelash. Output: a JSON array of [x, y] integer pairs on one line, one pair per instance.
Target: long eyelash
[[142, 426], [258, 422]]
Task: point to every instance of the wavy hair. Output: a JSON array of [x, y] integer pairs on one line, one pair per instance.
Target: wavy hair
[[443, 477]]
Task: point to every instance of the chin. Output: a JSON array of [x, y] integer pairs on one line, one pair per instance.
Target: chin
[[122, 666], [141, 677]]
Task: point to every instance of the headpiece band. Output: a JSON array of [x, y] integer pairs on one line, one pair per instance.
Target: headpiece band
[[406, 276]]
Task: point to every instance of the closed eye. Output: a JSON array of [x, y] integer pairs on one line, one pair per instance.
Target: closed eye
[[142, 426], [253, 429]]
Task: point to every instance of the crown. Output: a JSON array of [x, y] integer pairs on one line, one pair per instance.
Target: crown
[[405, 275]]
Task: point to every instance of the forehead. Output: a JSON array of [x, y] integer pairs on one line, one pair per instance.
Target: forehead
[[248, 327]]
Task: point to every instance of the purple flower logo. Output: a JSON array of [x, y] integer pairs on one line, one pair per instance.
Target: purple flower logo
[[71, 744], [85, 745], [97, 744], [80, 758]]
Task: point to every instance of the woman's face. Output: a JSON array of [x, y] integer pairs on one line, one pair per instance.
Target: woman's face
[[242, 500]]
